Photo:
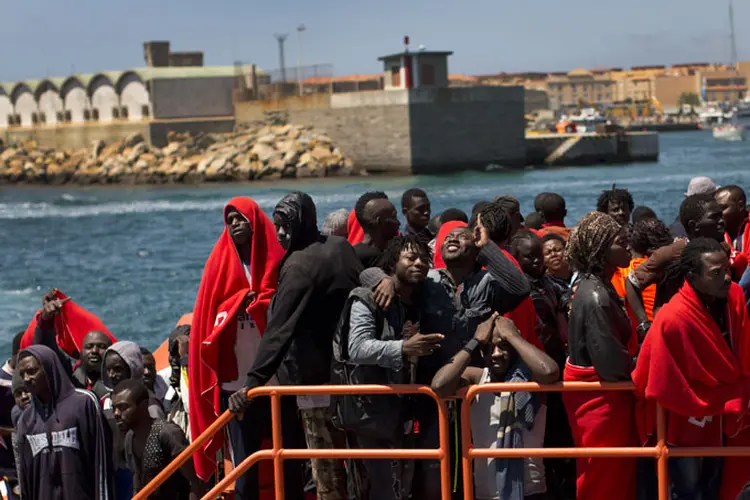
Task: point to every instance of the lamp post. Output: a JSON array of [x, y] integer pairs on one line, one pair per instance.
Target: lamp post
[[300, 29]]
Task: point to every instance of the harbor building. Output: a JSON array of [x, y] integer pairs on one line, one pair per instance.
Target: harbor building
[[420, 121], [172, 86]]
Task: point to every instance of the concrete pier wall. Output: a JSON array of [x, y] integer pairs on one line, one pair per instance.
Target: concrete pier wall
[[65, 136], [414, 130], [592, 148], [466, 128]]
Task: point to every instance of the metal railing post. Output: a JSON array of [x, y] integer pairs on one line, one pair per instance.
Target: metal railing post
[[662, 470], [445, 450], [276, 435], [467, 446]]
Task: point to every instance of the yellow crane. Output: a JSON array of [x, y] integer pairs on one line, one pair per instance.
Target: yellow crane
[[635, 109]]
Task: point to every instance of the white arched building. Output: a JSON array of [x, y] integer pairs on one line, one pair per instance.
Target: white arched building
[[24, 105], [143, 94], [105, 103], [49, 102], [135, 103], [76, 103], [6, 108], [101, 97]]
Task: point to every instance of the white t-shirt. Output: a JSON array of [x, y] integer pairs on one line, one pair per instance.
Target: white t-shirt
[[245, 347], [485, 418]]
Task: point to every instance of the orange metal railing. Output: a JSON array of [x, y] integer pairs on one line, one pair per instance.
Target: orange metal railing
[[660, 452], [278, 454]]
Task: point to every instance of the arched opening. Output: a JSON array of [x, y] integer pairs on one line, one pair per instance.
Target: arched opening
[[75, 100], [104, 101], [50, 103], [24, 105], [6, 109], [134, 97]]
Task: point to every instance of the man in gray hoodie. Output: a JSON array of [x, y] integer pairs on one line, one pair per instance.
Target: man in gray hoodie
[[61, 440], [122, 361]]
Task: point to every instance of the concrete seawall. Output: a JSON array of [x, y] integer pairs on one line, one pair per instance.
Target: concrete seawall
[[591, 149], [76, 136], [426, 131]]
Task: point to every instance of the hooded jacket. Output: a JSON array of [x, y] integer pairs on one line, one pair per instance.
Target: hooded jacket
[[63, 445], [316, 276], [131, 354]]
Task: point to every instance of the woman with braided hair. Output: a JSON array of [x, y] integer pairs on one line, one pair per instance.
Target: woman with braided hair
[[599, 334]]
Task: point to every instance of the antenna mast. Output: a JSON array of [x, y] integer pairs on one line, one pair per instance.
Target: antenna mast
[[733, 40], [281, 38]]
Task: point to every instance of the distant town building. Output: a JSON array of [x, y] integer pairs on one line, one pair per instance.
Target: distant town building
[[724, 86], [668, 89], [582, 87]]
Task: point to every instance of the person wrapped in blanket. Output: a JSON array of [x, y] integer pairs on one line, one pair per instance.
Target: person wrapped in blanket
[[505, 420]]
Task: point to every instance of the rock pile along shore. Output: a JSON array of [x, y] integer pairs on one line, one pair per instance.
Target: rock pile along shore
[[264, 152]]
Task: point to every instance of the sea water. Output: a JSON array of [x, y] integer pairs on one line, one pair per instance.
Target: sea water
[[134, 255]]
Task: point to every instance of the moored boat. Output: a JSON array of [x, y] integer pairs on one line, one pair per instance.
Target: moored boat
[[729, 132]]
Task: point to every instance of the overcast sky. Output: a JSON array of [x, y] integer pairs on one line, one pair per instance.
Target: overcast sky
[[55, 38]]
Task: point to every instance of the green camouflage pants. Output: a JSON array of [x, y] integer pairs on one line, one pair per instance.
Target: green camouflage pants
[[320, 434]]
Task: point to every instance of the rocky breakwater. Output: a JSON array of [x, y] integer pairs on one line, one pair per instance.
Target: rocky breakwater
[[254, 153]]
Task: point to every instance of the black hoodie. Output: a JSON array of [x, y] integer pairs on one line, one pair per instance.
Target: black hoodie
[[315, 279], [62, 445]]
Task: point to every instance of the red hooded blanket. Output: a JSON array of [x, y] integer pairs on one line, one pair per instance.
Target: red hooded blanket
[[686, 365], [524, 316], [214, 329], [71, 326], [354, 232]]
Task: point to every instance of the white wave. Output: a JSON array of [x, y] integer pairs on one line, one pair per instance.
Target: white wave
[[39, 210], [21, 291], [69, 197], [35, 210]]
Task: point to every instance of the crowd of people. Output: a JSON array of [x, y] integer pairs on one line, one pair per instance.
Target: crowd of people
[[446, 301]]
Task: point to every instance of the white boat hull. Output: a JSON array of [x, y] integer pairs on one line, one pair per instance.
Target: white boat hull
[[729, 133]]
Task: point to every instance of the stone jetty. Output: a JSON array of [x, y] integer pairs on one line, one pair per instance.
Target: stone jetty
[[261, 152]]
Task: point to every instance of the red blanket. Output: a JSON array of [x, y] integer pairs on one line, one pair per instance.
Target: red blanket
[[71, 326], [601, 419], [525, 316], [686, 365], [354, 232], [214, 327], [738, 259]]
